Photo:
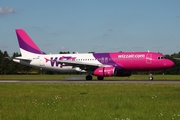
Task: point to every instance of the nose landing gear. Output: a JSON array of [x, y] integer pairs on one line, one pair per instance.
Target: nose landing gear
[[150, 76]]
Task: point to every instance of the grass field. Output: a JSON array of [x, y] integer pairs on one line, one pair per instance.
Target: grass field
[[73, 77], [28, 101]]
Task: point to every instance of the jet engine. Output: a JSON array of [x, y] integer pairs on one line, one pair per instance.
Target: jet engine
[[105, 71]]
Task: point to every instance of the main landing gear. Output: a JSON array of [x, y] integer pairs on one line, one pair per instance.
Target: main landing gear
[[89, 77]]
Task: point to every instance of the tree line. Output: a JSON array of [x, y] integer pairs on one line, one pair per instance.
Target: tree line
[[7, 66]]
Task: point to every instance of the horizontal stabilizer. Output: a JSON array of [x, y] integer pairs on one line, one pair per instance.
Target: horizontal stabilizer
[[22, 58]]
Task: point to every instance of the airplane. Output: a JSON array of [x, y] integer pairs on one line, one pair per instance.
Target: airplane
[[102, 65]]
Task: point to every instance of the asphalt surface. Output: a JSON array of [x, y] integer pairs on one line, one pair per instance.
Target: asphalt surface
[[93, 81]]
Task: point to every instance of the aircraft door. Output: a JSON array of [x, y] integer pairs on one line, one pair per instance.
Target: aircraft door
[[148, 58]]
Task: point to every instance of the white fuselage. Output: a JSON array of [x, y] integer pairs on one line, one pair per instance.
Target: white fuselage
[[50, 61]]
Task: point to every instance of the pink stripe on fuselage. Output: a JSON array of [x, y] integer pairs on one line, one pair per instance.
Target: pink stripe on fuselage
[[136, 60]]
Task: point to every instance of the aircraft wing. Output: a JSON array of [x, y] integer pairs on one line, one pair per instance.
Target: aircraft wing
[[177, 58], [82, 65]]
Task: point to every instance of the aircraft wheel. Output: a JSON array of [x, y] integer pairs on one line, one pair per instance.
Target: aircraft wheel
[[100, 78], [88, 77], [151, 78]]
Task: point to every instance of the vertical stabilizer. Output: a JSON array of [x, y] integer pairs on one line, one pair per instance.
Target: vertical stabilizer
[[27, 46]]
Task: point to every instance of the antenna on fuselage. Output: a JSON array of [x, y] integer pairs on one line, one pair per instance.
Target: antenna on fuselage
[[148, 51]]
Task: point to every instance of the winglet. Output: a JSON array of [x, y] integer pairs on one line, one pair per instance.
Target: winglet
[[26, 44]]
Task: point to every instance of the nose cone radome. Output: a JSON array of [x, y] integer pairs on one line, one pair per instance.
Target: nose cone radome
[[169, 64]]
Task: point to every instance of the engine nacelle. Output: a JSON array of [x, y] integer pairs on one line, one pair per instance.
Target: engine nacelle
[[105, 71], [123, 73]]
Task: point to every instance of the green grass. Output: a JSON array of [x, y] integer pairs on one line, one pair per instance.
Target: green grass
[[69, 77], [28, 101]]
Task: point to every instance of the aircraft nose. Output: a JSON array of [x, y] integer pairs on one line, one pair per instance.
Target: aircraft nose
[[169, 63]]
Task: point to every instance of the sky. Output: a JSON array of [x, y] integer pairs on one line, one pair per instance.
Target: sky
[[92, 25]]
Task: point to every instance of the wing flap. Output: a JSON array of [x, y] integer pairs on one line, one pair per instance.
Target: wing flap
[[78, 63], [82, 65]]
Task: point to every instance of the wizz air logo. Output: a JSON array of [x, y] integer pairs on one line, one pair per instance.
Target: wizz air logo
[[54, 60]]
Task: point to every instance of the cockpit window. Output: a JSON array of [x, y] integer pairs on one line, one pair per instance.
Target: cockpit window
[[161, 58]]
